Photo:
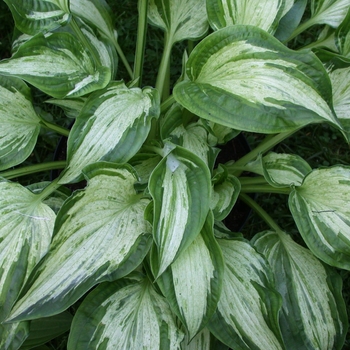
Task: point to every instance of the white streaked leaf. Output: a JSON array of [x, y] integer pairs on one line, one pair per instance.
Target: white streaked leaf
[[126, 314], [264, 14], [247, 313], [180, 187], [72, 107], [200, 341], [340, 79], [38, 16], [12, 335], [342, 37], [331, 12], [58, 65], [321, 210], [112, 126], [181, 19], [192, 283], [243, 78], [100, 234], [25, 235], [20, 125], [313, 314]]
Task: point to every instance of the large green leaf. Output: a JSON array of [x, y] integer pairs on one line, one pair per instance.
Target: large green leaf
[[25, 234], [247, 313], [125, 314], [192, 283], [321, 210], [313, 314], [181, 19], [264, 14], [180, 187], [19, 122], [112, 126], [243, 78], [58, 65], [35, 16], [100, 234]]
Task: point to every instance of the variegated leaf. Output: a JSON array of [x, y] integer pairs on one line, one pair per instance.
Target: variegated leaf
[[20, 125], [58, 65], [243, 78], [321, 210], [313, 314], [200, 341], [192, 283], [107, 127], [12, 335], [331, 12], [180, 187], [181, 19], [247, 313], [125, 314], [72, 107], [100, 234], [263, 14], [39, 16], [25, 235], [342, 37]]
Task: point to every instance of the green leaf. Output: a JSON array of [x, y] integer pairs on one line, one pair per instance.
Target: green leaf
[[25, 235], [112, 126], [313, 314], [180, 187], [321, 210], [247, 313], [125, 314], [180, 19], [45, 329], [264, 14], [100, 234], [20, 125], [243, 78], [58, 65], [192, 283], [39, 16]]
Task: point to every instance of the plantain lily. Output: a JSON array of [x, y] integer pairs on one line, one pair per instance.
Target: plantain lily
[[139, 256]]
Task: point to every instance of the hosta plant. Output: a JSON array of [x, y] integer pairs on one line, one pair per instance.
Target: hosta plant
[[139, 256]]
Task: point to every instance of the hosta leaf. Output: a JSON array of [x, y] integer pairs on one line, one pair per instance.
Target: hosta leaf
[[247, 313], [200, 341], [125, 314], [181, 19], [20, 125], [313, 314], [281, 169], [245, 79], [321, 210], [35, 16], [331, 12], [192, 283], [100, 234], [112, 126], [180, 187], [12, 335], [264, 14], [25, 235], [340, 79], [58, 65], [342, 36], [72, 107]]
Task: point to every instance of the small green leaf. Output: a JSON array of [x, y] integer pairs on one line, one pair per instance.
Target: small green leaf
[[313, 314], [20, 125], [192, 283], [247, 313], [112, 126], [321, 210], [125, 314], [245, 79], [264, 14], [100, 234], [58, 65], [180, 187]]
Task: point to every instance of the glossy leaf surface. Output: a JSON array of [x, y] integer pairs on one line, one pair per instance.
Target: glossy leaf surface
[[100, 235], [245, 79]]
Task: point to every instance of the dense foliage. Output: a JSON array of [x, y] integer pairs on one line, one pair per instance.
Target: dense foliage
[[139, 256]]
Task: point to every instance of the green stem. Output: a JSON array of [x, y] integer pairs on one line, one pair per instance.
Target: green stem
[[53, 186], [260, 211], [167, 104], [302, 27], [32, 169], [264, 189], [250, 181], [141, 40], [55, 127], [123, 58]]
